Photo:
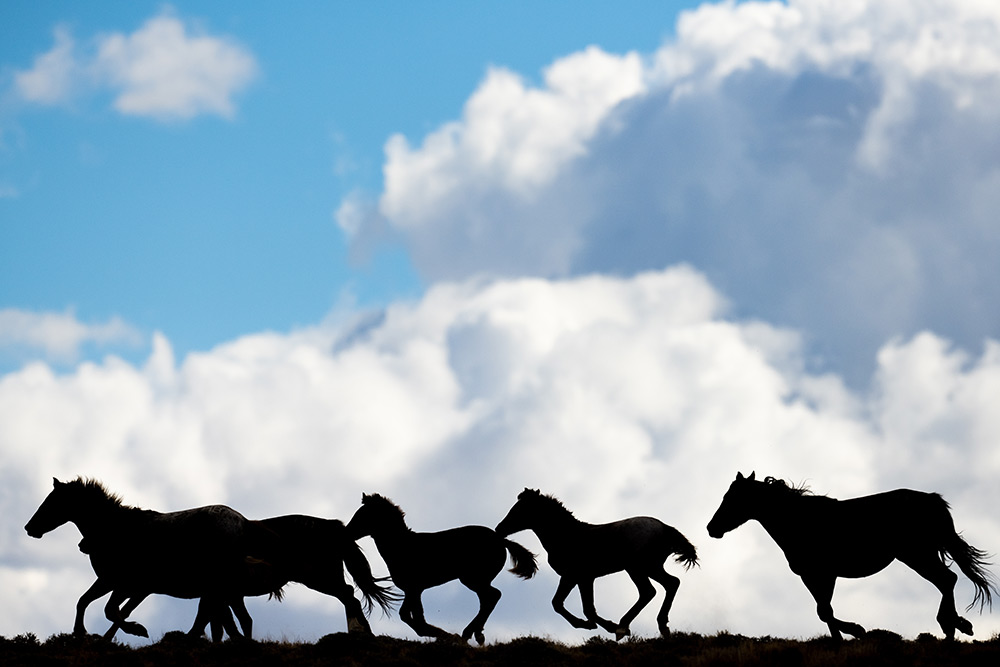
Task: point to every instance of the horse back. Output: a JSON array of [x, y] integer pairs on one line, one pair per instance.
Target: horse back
[[424, 560]]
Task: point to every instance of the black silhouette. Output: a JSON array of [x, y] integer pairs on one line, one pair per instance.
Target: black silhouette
[[417, 561], [196, 553], [581, 552], [213, 553], [824, 538], [257, 578]]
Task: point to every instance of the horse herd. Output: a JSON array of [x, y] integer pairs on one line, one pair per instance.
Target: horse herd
[[217, 555]]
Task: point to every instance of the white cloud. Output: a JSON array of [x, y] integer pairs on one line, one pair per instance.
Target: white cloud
[[59, 336], [165, 70], [162, 70], [621, 396], [830, 165], [54, 75]]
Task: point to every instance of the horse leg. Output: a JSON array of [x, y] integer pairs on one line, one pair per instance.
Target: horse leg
[[558, 603], [489, 596], [590, 612], [930, 567], [821, 586], [646, 593], [670, 585], [126, 611], [239, 608], [415, 617], [113, 613], [356, 620], [98, 589]]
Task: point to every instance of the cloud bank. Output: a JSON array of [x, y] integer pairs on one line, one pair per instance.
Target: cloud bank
[[830, 166], [620, 396], [165, 70]]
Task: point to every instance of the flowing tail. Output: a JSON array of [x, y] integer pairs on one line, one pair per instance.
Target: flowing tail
[[687, 555], [973, 562], [970, 560], [525, 565], [370, 587]]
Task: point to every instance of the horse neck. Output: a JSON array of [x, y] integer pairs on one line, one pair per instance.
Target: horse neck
[[555, 525], [103, 521], [390, 534], [780, 516]]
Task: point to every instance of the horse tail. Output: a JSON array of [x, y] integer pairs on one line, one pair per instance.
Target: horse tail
[[371, 587], [971, 561], [687, 555], [525, 565]]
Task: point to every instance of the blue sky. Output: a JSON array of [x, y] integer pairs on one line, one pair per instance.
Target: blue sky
[[443, 251], [209, 227]]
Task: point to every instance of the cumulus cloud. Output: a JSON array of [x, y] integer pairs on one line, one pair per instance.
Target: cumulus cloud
[[622, 396], [166, 69], [831, 166], [58, 336]]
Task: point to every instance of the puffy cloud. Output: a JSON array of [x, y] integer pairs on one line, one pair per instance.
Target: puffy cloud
[[58, 336], [620, 396], [163, 71], [831, 166], [54, 75], [166, 70]]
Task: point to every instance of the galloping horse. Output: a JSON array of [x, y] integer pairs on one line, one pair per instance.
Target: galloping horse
[[417, 561], [196, 553], [824, 538], [304, 549], [581, 552]]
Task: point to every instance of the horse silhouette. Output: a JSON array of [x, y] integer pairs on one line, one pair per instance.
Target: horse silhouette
[[417, 561], [258, 578], [581, 552], [824, 538], [195, 553]]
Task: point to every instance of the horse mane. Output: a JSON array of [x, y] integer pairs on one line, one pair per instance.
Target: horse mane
[[546, 500], [95, 491], [379, 500], [784, 487]]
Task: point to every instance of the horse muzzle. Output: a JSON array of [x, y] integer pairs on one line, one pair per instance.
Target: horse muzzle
[[33, 532]]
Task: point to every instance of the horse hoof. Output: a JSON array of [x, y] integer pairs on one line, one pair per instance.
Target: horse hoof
[[480, 638], [963, 626], [664, 631], [136, 629]]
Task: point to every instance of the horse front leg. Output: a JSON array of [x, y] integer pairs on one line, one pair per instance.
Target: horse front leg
[[98, 589], [821, 587], [113, 612], [587, 597], [559, 604]]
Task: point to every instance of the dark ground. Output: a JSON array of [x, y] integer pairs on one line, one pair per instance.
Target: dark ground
[[878, 648]]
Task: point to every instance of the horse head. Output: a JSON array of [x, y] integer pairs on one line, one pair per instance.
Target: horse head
[[735, 509], [374, 514], [55, 510], [521, 514]]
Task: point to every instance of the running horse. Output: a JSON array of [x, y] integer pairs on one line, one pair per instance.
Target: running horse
[[824, 538], [195, 553], [581, 552], [417, 561]]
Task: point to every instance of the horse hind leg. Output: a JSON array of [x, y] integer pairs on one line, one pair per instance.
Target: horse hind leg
[[489, 596], [930, 567], [670, 585], [646, 593]]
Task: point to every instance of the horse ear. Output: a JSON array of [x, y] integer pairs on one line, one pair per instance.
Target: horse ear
[[739, 475], [56, 483], [752, 475], [364, 497]]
